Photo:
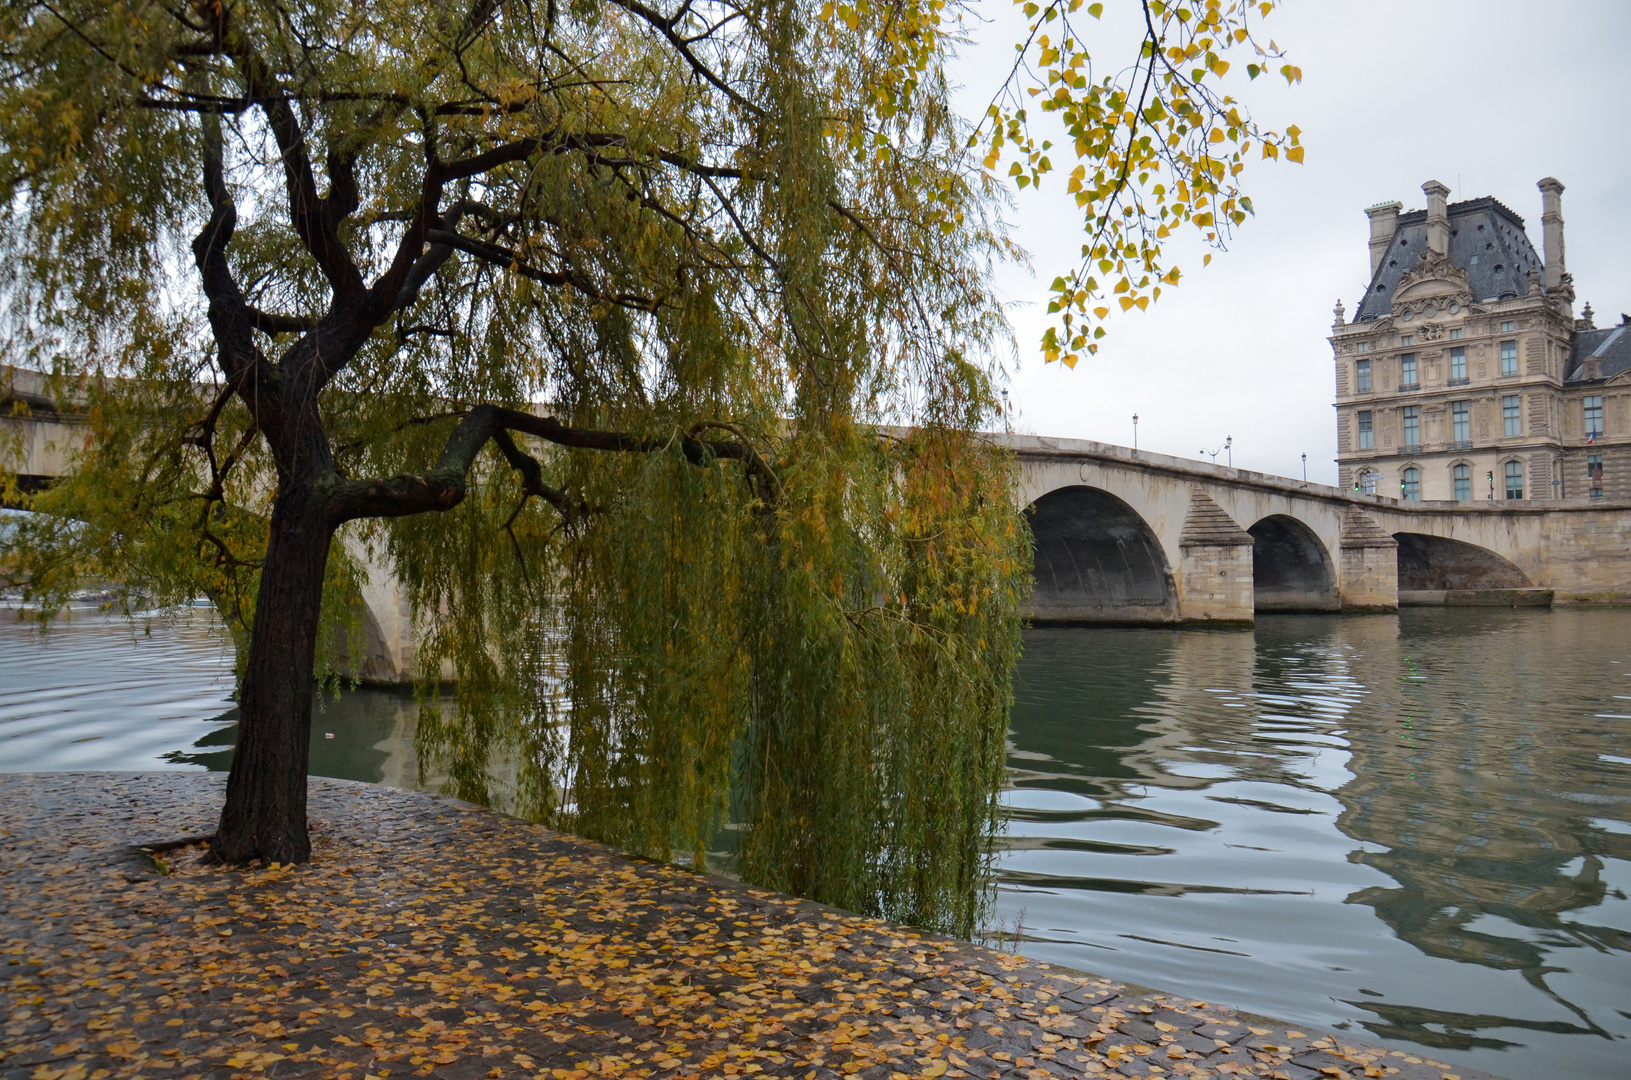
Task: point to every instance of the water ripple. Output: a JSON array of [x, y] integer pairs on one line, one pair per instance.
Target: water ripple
[[1414, 824]]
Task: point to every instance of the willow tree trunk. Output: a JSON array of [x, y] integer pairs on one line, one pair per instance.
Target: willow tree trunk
[[265, 812]]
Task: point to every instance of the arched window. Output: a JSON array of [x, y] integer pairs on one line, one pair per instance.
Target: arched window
[[1463, 481], [1410, 485], [1514, 479]]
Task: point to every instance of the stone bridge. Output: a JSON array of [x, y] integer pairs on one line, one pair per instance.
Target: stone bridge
[[1132, 537], [1125, 536], [38, 443]]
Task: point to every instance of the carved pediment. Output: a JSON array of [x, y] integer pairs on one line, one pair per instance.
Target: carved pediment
[[1434, 277]]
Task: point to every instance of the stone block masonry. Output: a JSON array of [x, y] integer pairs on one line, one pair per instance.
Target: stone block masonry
[[432, 938]]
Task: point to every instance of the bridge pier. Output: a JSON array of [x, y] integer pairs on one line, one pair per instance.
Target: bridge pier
[[1369, 578], [390, 640], [1215, 571]]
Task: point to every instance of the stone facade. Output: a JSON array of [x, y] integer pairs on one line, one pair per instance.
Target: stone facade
[[1465, 374]]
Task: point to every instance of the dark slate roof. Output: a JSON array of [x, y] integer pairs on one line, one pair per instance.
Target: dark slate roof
[[1486, 240], [1611, 345]]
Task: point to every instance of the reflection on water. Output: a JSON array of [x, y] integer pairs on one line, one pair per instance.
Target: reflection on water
[[361, 735], [103, 693], [1418, 824], [1415, 824]]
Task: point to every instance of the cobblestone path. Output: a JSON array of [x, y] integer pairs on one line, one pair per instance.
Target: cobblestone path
[[432, 938]]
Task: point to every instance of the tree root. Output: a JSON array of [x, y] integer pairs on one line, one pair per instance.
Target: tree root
[[170, 845]]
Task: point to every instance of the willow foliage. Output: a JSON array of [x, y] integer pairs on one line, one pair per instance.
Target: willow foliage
[[646, 348]]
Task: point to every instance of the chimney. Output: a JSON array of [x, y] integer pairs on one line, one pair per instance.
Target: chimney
[[1384, 218], [1438, 217], [1551, 224]]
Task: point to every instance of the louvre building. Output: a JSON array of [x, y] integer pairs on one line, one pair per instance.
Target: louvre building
[[1465, 373]]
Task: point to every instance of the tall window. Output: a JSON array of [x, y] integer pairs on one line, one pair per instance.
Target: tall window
[[1460, 422], [1410, 485], [1594, 415], [1509, 358], [1594, 474], [1367, 435], [1412, 426], [1458, 365], [1514, 479], [1463, 481], [1511, 415], [1407, 371], [1508, 327], [1362, 377], [1455, 335]]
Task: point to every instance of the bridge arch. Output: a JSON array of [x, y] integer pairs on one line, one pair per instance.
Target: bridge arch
[[1097, 560], [1430, 563], [1291, 568]]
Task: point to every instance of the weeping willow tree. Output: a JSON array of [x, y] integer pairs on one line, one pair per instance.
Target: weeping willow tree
[[646, 345]]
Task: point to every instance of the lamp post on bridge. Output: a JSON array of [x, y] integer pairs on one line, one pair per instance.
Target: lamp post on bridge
[[1305, 468], [1228, 445], [1135, 433]]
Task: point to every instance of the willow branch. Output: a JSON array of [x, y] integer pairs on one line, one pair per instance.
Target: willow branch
[[502, 256], [446, 485]]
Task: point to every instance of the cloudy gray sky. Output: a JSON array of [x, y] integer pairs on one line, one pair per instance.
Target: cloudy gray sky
[[1487, 96]]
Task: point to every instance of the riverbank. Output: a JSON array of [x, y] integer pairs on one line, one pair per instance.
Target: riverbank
[[432, 938]]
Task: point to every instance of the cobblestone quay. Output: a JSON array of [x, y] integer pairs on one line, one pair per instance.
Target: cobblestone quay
[[432, 938]]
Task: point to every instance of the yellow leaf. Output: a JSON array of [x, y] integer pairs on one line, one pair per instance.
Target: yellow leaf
[[1295, 153], [934, 1068]]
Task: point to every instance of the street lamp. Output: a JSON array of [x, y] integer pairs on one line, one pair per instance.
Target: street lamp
[[1005, 425], [1305, 468], [1228, 445], [1135, 433]]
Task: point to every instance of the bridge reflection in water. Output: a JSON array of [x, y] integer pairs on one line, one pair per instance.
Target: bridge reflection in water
[[1417, 823]]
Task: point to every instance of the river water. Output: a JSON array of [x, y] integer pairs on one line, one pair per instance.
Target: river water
[[1416, 828]]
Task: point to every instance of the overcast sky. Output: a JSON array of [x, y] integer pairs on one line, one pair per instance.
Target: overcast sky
[[1487, 97]]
